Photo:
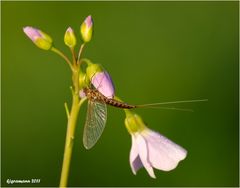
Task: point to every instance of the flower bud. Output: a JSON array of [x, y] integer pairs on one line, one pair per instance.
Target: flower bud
[[40, 39], [86, 29], [100, 79], [69, 38]]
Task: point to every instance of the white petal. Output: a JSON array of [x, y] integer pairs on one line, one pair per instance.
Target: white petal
[[143, 153], [163, 153], [135, 161]]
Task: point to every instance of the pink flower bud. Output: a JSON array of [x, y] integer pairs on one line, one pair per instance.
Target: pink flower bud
[[86, 29], [103, 83], [40, 39], [88, 21], [69, 38]]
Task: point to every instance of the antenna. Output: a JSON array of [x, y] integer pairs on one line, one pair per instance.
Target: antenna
[[159, 105]]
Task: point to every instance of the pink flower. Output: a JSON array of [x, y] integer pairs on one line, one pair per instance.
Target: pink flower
[[41, 39], [103, 83], [151, 149]]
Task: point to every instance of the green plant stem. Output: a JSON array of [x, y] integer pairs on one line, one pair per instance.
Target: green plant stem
[[73, 56], [66, 108], [72, 117], [80, 52], [86, 61], [72, 121]]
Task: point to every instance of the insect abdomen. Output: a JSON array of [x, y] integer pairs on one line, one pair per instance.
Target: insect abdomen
[[95, 95], [118, 104]]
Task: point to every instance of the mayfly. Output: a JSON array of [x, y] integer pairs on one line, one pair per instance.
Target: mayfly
[[97, 113]]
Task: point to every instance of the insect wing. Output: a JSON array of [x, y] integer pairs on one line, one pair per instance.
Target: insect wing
[[95, 123]]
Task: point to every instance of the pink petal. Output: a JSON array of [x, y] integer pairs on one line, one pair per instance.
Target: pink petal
[[135, 161], [163, 153], [143, 153], [70, 30], [82, 93], [32, 33], [89, 21], [103, 83]]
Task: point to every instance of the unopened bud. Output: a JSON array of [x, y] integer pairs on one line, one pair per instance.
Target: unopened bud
[[40, 39], [69, 38], [100, 79], [86, 29]]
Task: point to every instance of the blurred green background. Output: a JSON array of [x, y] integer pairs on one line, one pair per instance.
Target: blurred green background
[[155, 52]]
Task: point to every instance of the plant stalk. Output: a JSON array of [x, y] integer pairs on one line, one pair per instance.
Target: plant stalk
[[72, 121], [72, 117]]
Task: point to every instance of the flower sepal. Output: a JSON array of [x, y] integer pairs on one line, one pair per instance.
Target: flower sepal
[[83, 82], [93, 69], [133, 122]]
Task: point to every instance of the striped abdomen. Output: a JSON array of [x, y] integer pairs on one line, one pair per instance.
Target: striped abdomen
[[118, 104], [94, 95]]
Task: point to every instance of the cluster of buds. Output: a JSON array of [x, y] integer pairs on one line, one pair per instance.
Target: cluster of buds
[[94, 74], [45, 42]]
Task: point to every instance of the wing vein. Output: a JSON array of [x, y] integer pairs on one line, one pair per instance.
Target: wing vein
[[95, 123]]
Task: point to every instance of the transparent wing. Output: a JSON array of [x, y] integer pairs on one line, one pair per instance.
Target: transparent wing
[[95, 123]]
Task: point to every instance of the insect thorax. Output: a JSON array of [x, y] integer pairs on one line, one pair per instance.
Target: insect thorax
[[93, 95]]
